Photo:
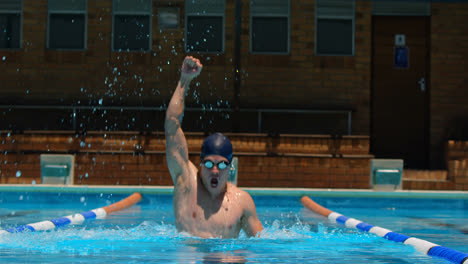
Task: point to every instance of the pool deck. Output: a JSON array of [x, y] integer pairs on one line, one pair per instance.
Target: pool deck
[[362, 193]]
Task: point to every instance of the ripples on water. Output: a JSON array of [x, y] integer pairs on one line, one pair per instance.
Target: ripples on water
[[161, 243], [146, 233]]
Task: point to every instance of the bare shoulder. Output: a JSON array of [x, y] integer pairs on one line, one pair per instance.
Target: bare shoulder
[[243, 197], [249, 220]]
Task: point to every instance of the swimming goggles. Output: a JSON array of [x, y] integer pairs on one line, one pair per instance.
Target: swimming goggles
[[221, 165]]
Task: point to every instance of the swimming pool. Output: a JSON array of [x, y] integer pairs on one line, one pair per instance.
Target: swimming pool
[[146, 232]]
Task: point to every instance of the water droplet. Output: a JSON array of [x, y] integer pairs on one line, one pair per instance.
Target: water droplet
[[82, 199], [18, 174], [4, 58]]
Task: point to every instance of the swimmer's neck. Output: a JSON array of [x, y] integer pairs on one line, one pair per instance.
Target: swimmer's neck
[[213, 196]]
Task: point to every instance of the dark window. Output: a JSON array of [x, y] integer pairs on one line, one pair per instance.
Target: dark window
[[67, 31], [10, 29], [269, 26], [334, 27], [270, 34], [335, 37], [131, 25], [67, 21], [204, 34], [131, 32]]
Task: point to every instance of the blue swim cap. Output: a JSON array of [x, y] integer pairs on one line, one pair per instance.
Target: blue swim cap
[[217, 144]]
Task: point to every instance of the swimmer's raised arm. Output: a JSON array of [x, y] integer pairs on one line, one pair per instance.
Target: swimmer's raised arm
[[176, 144]]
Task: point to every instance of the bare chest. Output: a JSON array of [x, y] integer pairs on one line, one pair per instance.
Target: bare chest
[[204, 218]]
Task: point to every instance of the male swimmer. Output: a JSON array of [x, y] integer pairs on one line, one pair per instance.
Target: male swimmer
[[205, 204]]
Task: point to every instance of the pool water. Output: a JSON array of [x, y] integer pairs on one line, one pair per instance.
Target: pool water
[[146, 233]]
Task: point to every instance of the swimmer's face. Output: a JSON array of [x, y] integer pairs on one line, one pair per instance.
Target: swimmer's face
[[214, 178]]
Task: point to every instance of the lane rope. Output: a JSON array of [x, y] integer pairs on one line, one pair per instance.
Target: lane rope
[[420, 245], [77, 219]]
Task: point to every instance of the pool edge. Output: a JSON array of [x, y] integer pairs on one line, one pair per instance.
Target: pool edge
[[361, 193]]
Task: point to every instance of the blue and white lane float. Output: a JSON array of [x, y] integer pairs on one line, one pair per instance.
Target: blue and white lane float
[[420, 245], [76, 219]]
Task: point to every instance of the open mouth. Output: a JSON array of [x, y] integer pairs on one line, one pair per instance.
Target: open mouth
[[214, 182]]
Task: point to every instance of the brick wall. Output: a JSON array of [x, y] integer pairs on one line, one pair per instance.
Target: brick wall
[[427, 180], [449, 77], [300, 79], [35, 75], [136, 159], [304, 172], [457, 163], [454, 178], [297, 161]]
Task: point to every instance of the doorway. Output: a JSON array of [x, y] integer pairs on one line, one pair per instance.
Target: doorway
[[400, 90]]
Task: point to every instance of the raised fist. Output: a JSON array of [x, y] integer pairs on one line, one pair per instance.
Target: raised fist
[[191, 68]]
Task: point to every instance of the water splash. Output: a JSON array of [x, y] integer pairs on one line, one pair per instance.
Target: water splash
[[85, 241]]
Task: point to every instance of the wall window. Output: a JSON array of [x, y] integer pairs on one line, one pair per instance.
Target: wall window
[[131, 25], [67, 24], [334, 27], [269, 26], [10, 24], [204, 25]]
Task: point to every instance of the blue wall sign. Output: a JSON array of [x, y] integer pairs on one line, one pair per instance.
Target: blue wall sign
[[401, 60]]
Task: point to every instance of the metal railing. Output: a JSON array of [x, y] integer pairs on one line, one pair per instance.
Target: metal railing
[[258, 112]]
